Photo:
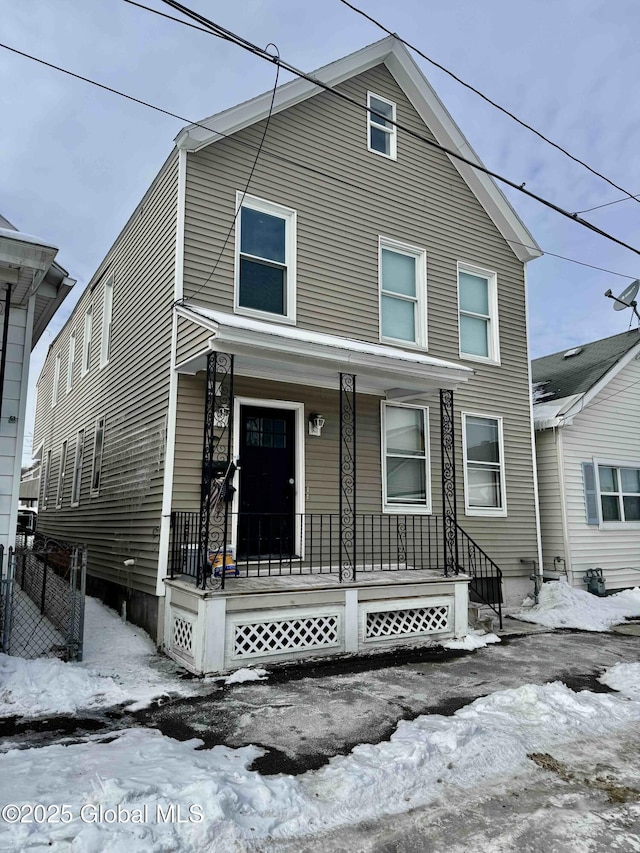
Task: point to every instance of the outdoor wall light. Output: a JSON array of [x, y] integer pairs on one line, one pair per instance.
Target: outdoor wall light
[[316, 422], [221, 417]]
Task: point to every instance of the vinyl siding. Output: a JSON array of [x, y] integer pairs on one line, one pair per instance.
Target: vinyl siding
[[192, 339], [419, 199], [549, 489], [131, 392], [13, 393], [606, 429]]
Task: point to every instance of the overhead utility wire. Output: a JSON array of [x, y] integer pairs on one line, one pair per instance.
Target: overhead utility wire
[[490, 101], [265, 152], [247, 183], [228, 35], [607, 204]]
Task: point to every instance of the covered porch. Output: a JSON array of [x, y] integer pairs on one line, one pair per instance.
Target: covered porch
[[256, 502]]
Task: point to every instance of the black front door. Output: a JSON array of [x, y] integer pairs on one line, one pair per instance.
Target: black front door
[[266, 524]]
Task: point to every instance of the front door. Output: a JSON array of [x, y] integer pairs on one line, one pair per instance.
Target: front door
[[266, 524]]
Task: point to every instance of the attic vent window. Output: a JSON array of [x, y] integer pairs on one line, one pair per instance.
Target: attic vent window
[[381, 129], [571, 352]]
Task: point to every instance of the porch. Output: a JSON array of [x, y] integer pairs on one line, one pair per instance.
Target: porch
[[262, 620], [310, 581]]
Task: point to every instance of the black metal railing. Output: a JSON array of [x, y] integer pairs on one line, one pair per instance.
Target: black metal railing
[[271, 544], [486, 583]]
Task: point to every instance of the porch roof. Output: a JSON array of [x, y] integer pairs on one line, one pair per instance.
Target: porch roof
[[288, 353]]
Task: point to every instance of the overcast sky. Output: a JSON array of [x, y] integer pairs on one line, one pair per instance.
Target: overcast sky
[[75, 160]]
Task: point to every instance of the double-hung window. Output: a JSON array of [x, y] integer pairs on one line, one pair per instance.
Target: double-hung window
[[86, 341], [619, 493], [77, 469], [56, 381], [46, 476], [265, 259], [98, 448], [403, 293], [105, 345], [70, 361], [62, 475], [484, 482], [478, 314], [381, 131], [405, 458]]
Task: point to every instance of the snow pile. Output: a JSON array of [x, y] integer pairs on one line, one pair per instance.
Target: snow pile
[[562, 606], [473, 640], [49, 686], [120, 665], [625, 678], [139, 768], [129, 656], [246, 674]]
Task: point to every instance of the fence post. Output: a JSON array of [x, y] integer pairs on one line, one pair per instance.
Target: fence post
[[6, 582], [83, 591], [44, 583]]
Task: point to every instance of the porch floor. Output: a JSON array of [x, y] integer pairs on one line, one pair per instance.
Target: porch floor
[[299, 582]]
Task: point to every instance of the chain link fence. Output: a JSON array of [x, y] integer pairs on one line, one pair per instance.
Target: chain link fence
[[42, 594]]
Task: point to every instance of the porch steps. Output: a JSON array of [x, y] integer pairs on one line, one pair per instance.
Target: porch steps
[[481, 618]]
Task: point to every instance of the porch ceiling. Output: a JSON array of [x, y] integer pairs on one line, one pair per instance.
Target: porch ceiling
[[289, 354]]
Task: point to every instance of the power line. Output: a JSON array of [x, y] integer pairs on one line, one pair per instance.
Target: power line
[[574, 261], [489, 101], [265, 152], [607, 204], [228, 35], [246, 186]]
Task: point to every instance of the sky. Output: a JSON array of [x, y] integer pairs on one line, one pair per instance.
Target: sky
[[76, 160]]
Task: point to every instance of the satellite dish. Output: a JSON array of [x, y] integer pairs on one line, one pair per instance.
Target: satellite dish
[[627, 298]]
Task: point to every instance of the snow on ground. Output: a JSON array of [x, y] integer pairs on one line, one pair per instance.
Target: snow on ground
[[625, 678], [120, 665], [562, 606], [142, 769], [473, 640], [240, 676]]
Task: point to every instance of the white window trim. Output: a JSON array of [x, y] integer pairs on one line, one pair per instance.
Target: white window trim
[[493, 512], [46, 478], [609, 463], [107, 313], [62, 473], [86, 341], [494, 327], [70, 361], [420, 256], [56, 381], [392, 132], [290, 217], [405, 509], [95, 491], [77, 469]]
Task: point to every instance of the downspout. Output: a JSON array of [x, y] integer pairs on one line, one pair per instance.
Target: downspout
[[5, 340]]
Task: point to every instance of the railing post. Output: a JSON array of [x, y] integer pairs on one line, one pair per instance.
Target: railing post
[[449, 508], [347, 484], [216, 458]]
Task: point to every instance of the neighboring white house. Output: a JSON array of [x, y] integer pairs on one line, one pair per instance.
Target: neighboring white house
[[32, 286], [587, 418]]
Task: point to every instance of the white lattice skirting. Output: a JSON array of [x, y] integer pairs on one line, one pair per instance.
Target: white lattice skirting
[[273, 636], [182, 633], [406, 622], [211, 633]]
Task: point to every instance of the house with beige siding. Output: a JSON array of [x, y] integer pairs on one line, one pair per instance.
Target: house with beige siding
[[586, 420], [32, 287], [291, 413]]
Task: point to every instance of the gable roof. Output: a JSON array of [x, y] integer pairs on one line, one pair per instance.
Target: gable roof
[[393, 54], [565, 381], [575, 374]]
